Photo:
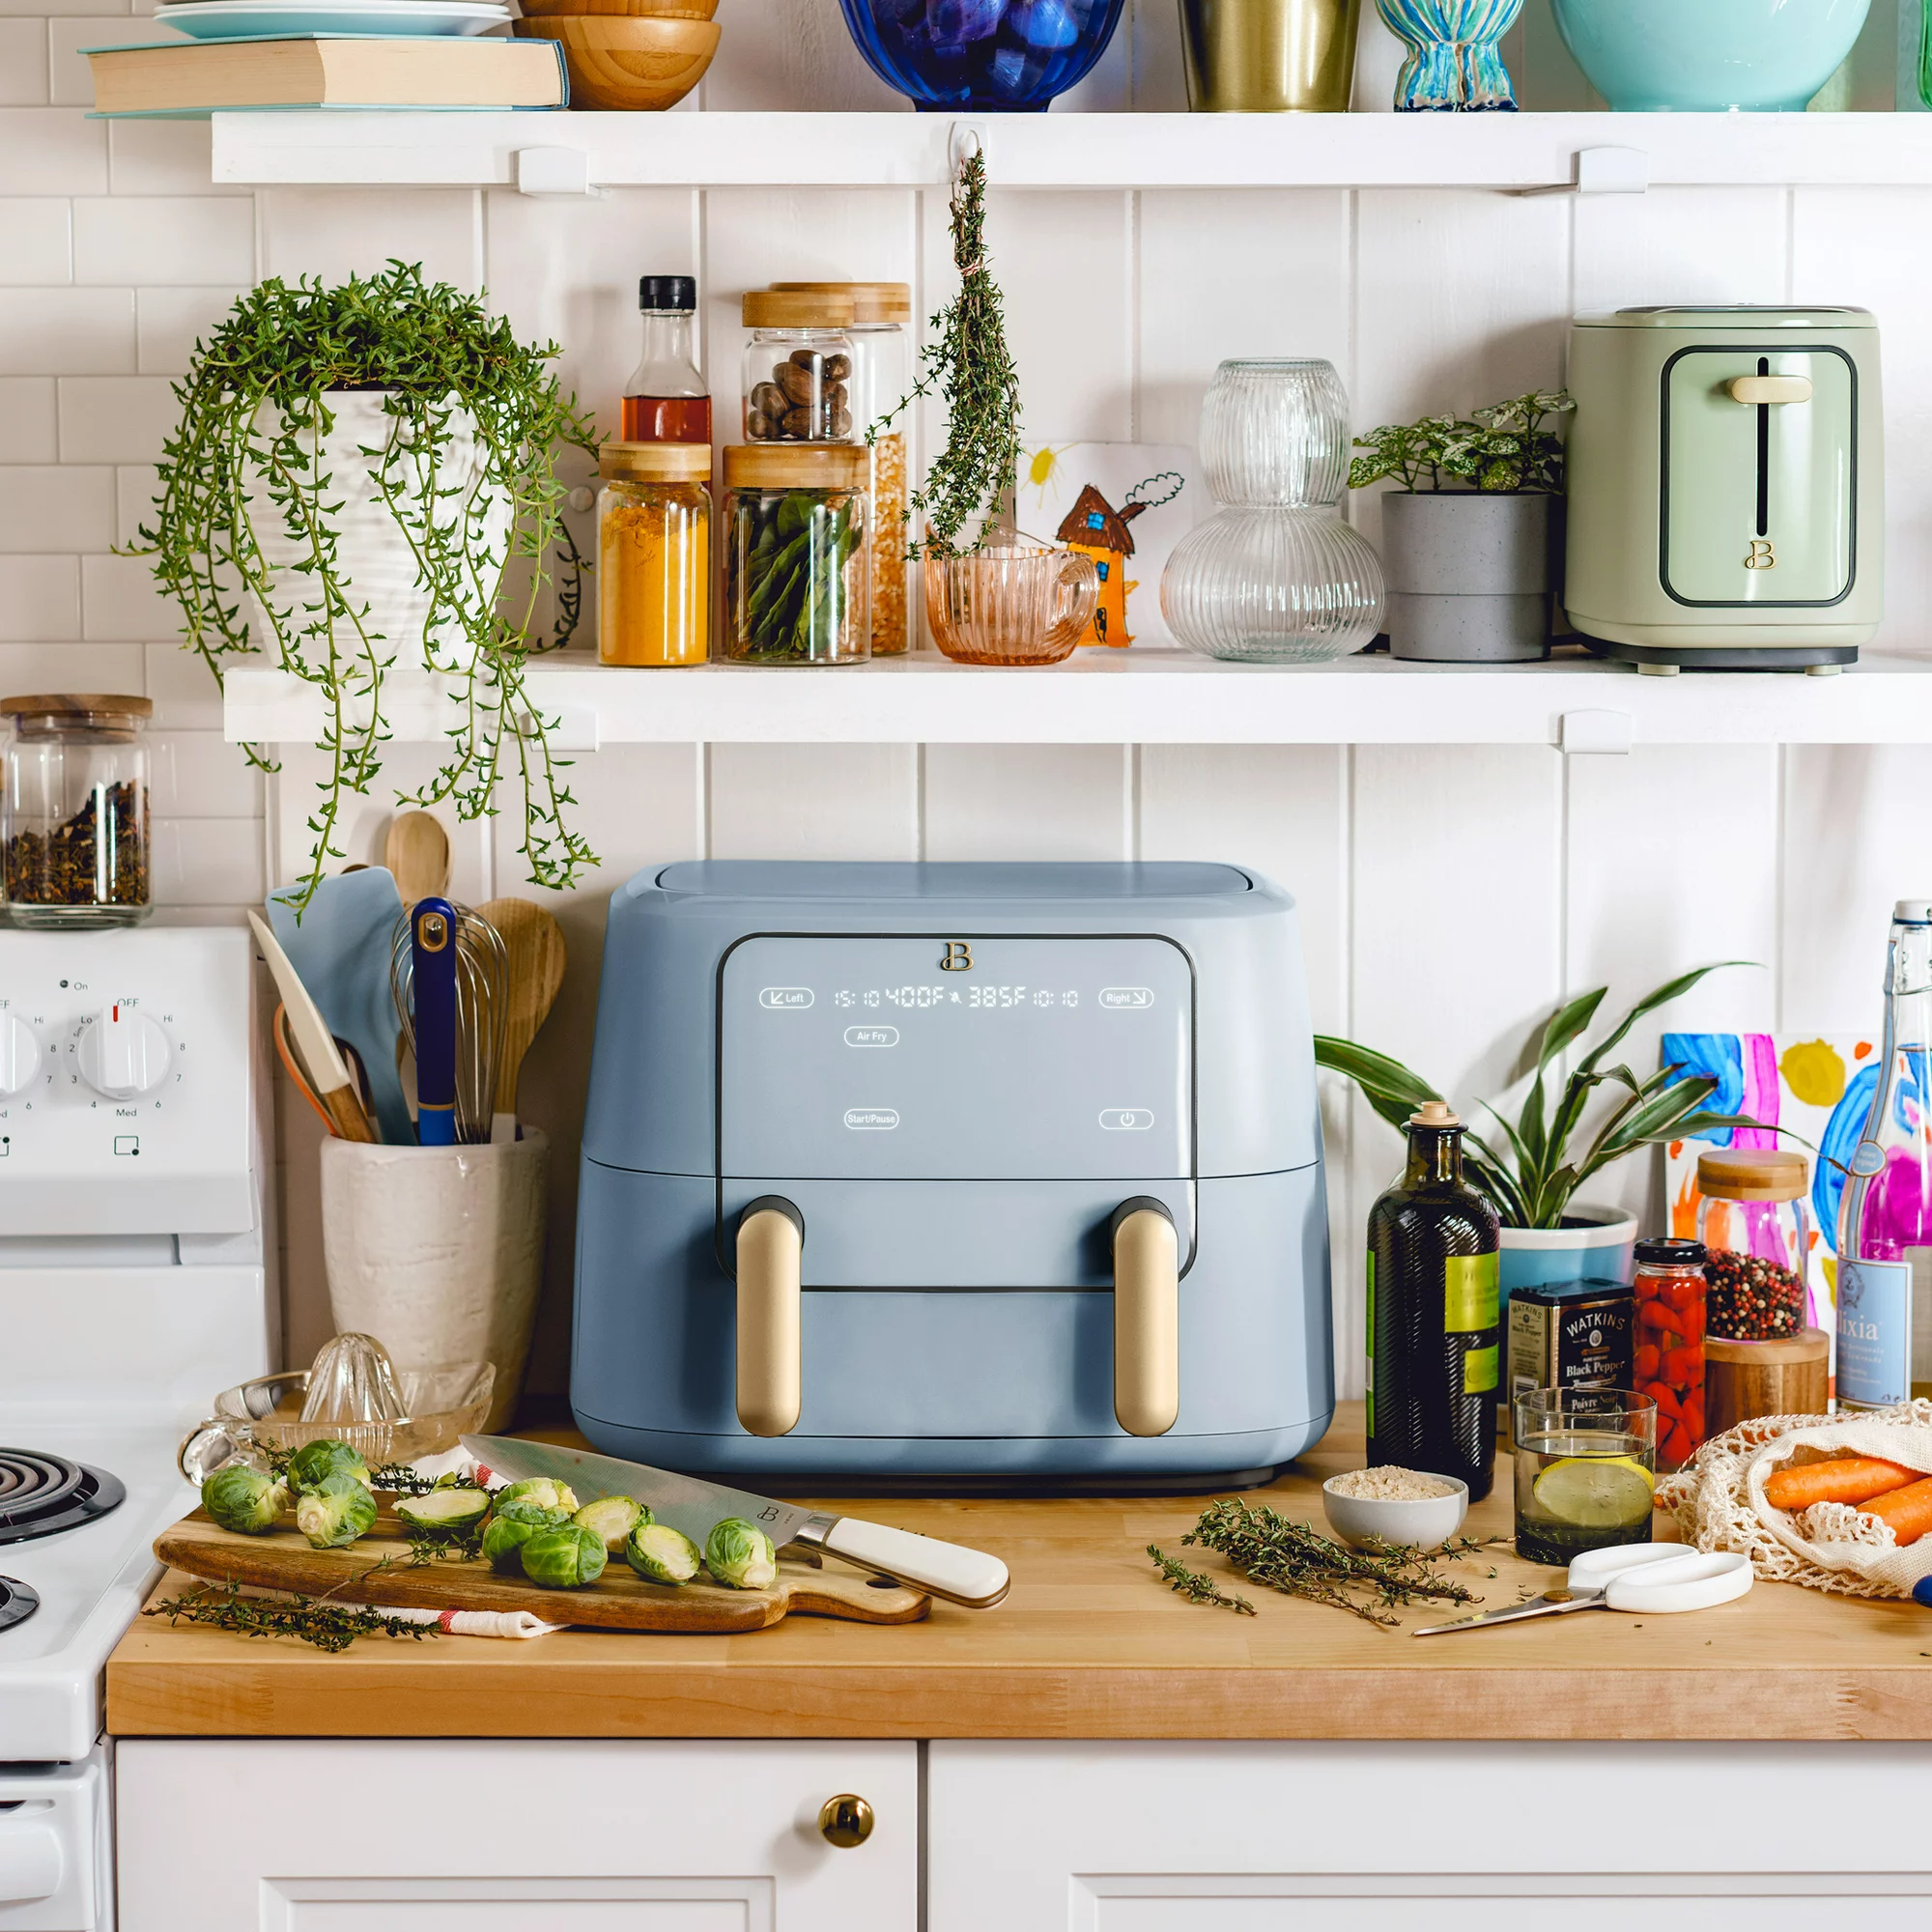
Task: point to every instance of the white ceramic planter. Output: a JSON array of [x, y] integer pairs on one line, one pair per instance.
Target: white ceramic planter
[[437, 1252]]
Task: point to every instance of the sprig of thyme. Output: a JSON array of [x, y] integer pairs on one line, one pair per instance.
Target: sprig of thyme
[[969, 367], [1196, 1587], [328, 1627]]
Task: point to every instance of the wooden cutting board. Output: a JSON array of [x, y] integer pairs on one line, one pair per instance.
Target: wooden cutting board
[[376, 1569]]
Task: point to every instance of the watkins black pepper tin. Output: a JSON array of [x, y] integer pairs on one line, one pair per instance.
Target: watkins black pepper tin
[[1570, 1334]]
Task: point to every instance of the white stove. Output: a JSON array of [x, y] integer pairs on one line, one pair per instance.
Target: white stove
[[133, 1287]]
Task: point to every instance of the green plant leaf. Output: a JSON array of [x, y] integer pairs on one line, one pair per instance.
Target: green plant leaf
[[1658, 996]]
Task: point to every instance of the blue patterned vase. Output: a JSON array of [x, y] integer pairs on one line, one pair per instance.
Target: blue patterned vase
[[1453, 65]]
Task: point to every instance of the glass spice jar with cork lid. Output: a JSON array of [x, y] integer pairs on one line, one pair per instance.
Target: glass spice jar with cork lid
[[74, 810], [797, 567], [798, 367], [654, 553]]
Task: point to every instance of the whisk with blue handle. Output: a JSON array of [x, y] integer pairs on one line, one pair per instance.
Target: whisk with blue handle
[[449, 976]]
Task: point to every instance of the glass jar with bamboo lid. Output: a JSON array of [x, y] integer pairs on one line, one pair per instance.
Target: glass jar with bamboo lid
[[798, 367], [654, 553], [881, 333], [798, 567]]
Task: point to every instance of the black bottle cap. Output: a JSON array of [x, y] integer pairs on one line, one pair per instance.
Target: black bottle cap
[[666, 291], [1671, 1253]]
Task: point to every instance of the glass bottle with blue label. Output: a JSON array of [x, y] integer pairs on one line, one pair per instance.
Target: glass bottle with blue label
[[1433, 1318], [1884, 1226]]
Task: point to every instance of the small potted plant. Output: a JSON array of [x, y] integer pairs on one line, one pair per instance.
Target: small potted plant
[[1546, 1157], [1470, 536]]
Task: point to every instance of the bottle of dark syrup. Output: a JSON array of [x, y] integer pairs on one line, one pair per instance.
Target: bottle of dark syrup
[[1434, 1321], [666, 400]]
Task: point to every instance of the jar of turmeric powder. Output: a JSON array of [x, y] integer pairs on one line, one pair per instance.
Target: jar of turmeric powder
[[654, 553]]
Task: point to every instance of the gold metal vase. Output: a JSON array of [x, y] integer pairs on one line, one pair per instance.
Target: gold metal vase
[[1270, 56]]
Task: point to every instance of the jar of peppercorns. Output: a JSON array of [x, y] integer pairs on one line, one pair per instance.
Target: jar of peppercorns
[[1669, 1352], [798, 367], [1758, 1238], [74, 810]]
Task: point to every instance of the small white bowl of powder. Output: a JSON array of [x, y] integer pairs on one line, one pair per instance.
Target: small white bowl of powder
[[1395, 1505]]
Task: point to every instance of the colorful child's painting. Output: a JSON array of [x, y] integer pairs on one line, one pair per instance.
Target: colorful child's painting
[[1818, 1091], [1124, 505]]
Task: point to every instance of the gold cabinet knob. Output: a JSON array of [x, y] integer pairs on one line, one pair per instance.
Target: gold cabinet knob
[[845, 1821]]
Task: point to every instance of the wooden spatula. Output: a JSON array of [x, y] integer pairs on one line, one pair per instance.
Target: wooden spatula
[[534, 942], [417, 852]]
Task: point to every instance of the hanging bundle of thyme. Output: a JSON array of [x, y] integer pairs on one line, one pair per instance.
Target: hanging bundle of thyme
[[970, 368]]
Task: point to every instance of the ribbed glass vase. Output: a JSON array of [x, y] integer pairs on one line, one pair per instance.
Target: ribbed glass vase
[[1275, 430]]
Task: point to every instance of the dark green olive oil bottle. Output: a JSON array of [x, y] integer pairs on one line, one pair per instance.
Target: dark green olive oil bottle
[[1434, 1326]]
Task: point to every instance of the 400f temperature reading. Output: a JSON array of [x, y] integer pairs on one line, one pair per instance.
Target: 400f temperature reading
[[986, 997]]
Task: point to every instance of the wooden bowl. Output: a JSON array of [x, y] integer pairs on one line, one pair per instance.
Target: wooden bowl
[[623, 64], [635, 10]]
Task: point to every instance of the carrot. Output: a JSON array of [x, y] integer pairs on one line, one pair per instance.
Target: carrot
[[1909, 1511], [1849, 1479]]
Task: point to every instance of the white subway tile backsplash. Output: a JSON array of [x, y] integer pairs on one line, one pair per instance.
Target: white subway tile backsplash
[[208, 862], [135, 490], [66, 331], [40, 599], [29, 422], [52, 151], [71, 79], [164, 238], [23, 63], [159, 156], [170, 322], [36, 243], [336, 231], [46, 7], [186, 695], [197, 775], [115, 418], [69, 667], [120, 599], [55, 509]]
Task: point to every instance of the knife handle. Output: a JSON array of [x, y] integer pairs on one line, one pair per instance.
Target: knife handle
[[948, 1569]]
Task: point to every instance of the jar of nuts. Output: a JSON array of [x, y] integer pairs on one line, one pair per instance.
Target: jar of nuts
[[798, 367]]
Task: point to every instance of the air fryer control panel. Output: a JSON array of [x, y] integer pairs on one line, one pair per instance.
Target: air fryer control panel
[[964, 1057]]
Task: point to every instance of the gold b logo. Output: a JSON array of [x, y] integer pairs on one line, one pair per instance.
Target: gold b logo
[[957, 957], [1762, 556]]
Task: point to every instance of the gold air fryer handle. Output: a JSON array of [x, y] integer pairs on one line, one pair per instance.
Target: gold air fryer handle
[[771, 1251], [1147, 1318]]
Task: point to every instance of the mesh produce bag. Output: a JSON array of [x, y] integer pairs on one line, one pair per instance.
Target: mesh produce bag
[[1717, 1499]]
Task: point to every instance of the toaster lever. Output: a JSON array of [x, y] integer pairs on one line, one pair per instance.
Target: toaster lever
[[771, 1251], [1147, 1316], [1771, 388]]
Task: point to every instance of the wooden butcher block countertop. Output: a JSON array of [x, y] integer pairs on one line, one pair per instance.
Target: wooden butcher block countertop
[[1089, 1644]]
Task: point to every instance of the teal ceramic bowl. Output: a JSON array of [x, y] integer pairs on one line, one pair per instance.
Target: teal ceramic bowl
[[1707, 56]]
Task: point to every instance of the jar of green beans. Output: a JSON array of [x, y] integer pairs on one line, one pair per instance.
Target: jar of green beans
[[797, 554]]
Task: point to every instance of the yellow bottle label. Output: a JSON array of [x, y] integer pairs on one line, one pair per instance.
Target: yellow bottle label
[[1479, 1370], [1470, 1295]]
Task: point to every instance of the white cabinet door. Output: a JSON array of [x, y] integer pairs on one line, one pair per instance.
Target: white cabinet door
[[1322, 1837], [408, 1835]]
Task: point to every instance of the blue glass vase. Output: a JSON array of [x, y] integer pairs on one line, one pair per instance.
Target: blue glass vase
[[1454, 65], [1005, 56]]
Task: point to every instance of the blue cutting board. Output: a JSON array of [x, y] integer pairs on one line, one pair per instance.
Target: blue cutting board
[[341, 950]]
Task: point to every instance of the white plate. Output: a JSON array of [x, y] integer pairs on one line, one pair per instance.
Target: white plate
[[245, 20]]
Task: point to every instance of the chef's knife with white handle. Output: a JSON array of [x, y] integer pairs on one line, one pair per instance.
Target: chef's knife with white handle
[[948, 1569]]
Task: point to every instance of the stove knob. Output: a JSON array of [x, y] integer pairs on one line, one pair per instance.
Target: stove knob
[[19, 1056], [123, 1054]]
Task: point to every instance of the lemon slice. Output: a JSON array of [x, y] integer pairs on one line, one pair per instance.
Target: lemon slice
[[1596, 1491]]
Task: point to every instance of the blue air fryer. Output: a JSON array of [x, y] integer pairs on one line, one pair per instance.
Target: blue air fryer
[[996, 1172]]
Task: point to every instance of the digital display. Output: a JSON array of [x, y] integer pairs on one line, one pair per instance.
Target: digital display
[[982, 998]]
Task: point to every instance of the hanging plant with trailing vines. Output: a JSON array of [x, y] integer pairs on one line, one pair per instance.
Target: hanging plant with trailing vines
[[247, 541]]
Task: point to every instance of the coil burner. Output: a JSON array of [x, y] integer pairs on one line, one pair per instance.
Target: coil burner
[[41, 1495]]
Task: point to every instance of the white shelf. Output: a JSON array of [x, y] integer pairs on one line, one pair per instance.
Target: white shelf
[[1097, 150], [1162, 697]]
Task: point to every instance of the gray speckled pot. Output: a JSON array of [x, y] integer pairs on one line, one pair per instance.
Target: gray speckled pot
[[1468, 575]]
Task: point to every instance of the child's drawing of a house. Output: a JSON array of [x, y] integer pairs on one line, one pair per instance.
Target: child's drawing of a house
[[1100, 531]]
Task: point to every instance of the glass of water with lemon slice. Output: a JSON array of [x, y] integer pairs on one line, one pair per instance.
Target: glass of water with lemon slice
[[1585, 1464]]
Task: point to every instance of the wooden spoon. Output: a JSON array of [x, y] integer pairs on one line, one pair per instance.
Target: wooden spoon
[[417, 852], [534, 942]]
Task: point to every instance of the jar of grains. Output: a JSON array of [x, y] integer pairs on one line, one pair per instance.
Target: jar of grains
[[1669, 1349], [798, 367], [73, 813], [1757, 1238], [654, 553], [881, 377], [797, 563]]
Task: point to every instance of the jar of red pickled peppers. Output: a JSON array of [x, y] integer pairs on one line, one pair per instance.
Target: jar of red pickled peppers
[[1758, 1238], [1669, 1363]]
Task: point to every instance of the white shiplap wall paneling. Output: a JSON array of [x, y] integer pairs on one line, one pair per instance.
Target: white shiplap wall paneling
[[814, 800], [1038, 802], [1678, 244]]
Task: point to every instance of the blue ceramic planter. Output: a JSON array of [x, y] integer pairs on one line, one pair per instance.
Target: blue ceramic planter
[[993, 55], [1601, 1250], [1453, 65], [1763, 56]]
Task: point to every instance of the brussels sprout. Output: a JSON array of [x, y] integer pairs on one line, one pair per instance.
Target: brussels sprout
[[661, 1554], [565, 1558], [244, 1499], [511, 1527], [613, 1519], [541, 1490], [444, 1512], [336, 1512], [740, 1554], [314, 1463]]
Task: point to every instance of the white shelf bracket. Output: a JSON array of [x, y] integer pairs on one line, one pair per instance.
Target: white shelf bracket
[[1595, 734], [559, 171], [966, 139], [1604, 171]]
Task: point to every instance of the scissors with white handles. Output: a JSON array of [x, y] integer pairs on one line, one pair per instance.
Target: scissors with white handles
[[1651, 1578]]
